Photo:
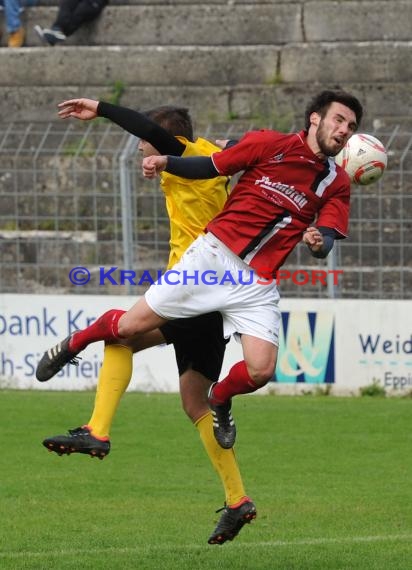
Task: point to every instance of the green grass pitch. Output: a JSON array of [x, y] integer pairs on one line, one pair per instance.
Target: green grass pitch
[[331, 479]]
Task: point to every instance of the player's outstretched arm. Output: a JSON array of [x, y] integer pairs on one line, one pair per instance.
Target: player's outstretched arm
[[141, 126], [132, 121], [84, 109], [192, 167]]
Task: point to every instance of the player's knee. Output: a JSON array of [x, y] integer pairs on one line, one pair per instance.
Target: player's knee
[[261, 375], [127, 327], [125, 330]]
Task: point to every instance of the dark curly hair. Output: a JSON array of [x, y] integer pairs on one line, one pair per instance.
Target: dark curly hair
[[321, 103]]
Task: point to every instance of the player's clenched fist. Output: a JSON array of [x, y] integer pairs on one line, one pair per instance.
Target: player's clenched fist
[[313, 238], [153, 165]]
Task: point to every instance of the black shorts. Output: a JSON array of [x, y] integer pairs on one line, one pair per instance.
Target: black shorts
[[198, 342]]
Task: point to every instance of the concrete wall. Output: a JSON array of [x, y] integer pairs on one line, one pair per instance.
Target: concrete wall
[[225, 59]]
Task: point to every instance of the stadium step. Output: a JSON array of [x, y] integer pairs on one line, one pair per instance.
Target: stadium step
[[230, 60], [271, 85], [222, 23]]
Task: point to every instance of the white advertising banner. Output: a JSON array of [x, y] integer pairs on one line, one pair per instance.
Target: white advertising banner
[[30, 324], [344, 344]]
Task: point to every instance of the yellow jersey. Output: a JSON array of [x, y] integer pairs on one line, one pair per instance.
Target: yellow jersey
[[191, 204]]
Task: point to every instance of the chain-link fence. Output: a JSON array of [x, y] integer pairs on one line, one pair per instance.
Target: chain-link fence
[[72, 196]]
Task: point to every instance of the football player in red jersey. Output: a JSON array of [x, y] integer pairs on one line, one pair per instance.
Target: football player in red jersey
[[291, 189]]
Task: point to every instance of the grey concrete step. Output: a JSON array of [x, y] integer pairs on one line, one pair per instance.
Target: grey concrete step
[[231, 3], [147, 65], [273, 83], [186, 66], [207, 24], [278, 106], [225, 23], [355, 20], [238, 59]]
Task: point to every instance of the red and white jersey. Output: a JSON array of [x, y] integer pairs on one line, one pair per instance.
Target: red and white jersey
[[284, 189]]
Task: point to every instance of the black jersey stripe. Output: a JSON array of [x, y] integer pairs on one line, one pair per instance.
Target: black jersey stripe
[[264, 232], [324, 178], [320, 177]]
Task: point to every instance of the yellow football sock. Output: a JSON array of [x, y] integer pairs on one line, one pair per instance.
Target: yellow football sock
[[223, 460], [114, 378]]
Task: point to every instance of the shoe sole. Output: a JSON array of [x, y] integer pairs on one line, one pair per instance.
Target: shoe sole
[[247, 518], [62, 449]]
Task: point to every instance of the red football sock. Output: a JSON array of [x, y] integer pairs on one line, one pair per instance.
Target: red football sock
[[238, 381], [104, 328]]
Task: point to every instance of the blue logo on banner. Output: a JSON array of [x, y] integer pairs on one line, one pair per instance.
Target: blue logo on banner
[[306, 348]]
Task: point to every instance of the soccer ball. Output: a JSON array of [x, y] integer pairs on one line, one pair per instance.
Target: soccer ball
[[364, 158]]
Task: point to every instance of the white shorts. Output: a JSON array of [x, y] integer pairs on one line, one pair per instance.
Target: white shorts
[[210, 277]]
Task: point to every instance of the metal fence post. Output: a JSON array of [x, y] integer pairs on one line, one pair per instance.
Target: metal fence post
[[333, 289], [128, 152]]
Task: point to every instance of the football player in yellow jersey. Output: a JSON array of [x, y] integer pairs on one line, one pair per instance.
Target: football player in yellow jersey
[[198, 342]]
